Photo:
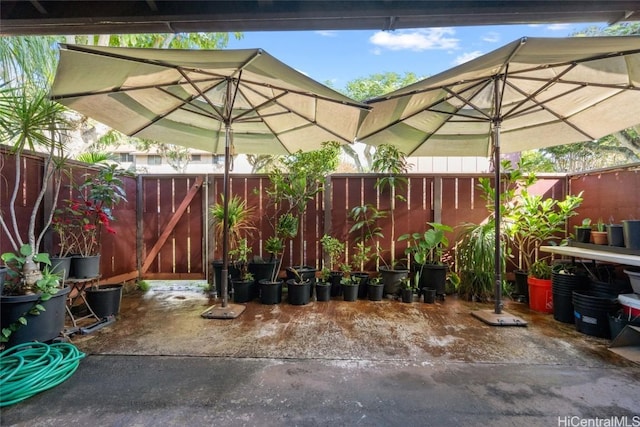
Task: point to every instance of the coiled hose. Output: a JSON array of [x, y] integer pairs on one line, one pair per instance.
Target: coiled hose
[[29, 368]]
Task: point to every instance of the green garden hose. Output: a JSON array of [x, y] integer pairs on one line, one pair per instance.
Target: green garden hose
[[29, 368]]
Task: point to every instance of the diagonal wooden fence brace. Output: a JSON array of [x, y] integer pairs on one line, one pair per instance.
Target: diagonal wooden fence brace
[[171, 225]]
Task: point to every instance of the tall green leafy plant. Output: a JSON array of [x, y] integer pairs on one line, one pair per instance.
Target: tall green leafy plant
[[389, 161], [299, 180], [30, 121]]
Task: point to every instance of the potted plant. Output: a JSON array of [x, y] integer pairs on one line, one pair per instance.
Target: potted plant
[[407, 287], [333, 249], [426, 249], [540, 293], [367, 231], [350, 288], [583, 231], [297, 181], [392, 164], [615, 234], [298, 288], [599, 235], [33, 303], [243, 287], [91, 213], [285, 228], [240, 226], [323, 286]]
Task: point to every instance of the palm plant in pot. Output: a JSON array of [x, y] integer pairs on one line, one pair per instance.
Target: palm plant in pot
[[426, 249], [240, 226], [392, 164]]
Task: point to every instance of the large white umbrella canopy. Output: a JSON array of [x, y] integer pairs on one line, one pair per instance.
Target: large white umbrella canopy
[[531, 93], [211, 100]]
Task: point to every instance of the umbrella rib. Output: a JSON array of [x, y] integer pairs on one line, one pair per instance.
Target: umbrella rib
[[200, 92]]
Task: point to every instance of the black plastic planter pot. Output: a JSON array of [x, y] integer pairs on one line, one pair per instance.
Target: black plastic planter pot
[[615, 235], [244, 290], [363, 282], [435, 276], [105, 300], [392, 279], [43, 327], [407, 295], [323, 291], [375, 291], [234, 273], [592, 310], [85, 267], [335, 278], [61, 266], [350, 292], [583, 234], [429, 295], [270, 292], [631, 232], [522, 288], [298, 293], [562, 287]]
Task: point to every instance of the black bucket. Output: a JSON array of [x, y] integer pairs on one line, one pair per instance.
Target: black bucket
[[562, 287], [592, 310]]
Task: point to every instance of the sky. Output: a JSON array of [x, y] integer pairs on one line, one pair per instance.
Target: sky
[[337, 57]]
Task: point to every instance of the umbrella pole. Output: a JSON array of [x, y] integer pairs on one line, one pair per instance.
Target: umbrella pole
[[225, 310], [497, 317], [496, 206]]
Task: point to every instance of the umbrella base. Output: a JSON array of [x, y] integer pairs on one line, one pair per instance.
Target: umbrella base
[[503, 319], [231, 311]]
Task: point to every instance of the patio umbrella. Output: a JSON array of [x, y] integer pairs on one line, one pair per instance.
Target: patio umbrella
[[214, 100], [531, 93]]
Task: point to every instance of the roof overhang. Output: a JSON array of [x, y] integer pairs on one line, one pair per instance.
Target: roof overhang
[[117, 17]]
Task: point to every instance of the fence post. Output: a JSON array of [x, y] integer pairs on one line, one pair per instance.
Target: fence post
[[437, 199]]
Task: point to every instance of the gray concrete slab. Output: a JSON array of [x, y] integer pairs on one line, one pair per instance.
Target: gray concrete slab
[[335, 363]]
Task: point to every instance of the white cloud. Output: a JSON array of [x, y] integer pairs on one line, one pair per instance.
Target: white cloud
[[491, 37], [326, 33], [416, 40], [558, 27], [466, 57]]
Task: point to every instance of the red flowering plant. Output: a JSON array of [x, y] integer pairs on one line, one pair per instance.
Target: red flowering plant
[[81, 223]]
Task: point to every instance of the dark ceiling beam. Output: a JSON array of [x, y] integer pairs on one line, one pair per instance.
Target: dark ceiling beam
[[150, 16]]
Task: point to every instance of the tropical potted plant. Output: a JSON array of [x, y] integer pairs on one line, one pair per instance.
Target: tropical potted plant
[[367, 233], [540, 293], [285, 229], [239, 225], [33, 303], [323, 286], [407, 287], [392, 164], [583, 231], [86, 216], [333, 249], [426, 249], [350, 288], [297, 181], [298, 288], [599, 235], [244, 286]]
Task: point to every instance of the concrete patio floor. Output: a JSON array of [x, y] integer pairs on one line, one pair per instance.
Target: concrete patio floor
[[327, 363]]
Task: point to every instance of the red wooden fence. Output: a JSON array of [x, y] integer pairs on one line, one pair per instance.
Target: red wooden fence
[[153, 202]]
